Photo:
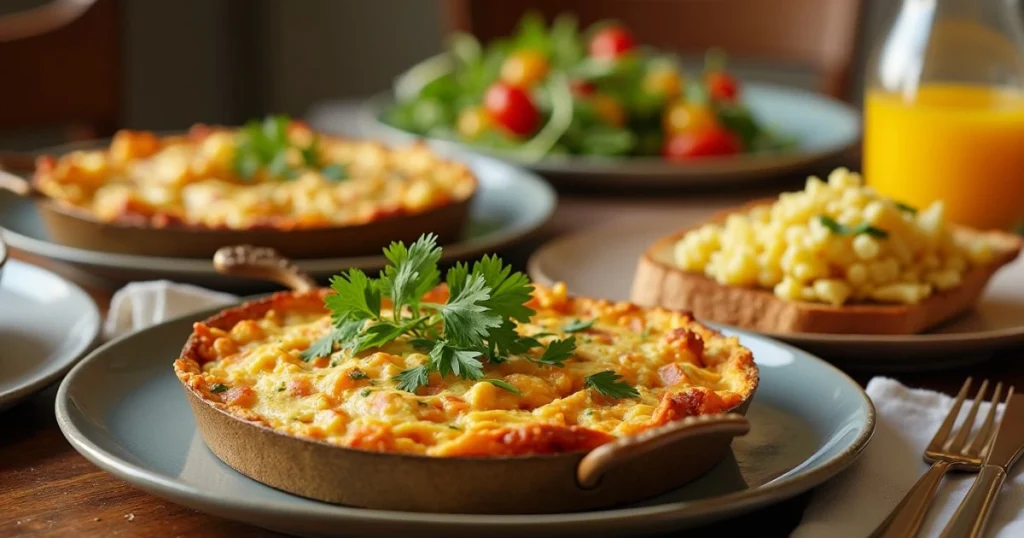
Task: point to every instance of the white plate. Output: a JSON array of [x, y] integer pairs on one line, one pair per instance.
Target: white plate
[[601, 262], [511, 204], [124, 410], [823, 127], [46, 324]]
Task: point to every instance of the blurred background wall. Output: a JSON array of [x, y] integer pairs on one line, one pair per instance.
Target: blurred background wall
[[228, 60]]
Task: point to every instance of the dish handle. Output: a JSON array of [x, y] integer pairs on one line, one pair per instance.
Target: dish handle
[[707, 428], [13, 182], [262, 263]]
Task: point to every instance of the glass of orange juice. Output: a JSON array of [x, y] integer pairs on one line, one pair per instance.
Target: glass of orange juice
[[944, 111]]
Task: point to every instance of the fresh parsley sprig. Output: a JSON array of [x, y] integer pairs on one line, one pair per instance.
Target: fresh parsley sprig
[[266, 146], [610, 384], [841, 229], [476, 323]]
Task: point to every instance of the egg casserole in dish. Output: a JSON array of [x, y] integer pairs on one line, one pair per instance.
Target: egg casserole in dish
[[277, 174], [632, 369]]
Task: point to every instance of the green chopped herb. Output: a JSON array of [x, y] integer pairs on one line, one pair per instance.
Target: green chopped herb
[[610, 384], [357, 375], [862, 228], [334, 172], [503, 385], [908, 208], [578, 325], [218, 388], [365, 392], [453, 427]]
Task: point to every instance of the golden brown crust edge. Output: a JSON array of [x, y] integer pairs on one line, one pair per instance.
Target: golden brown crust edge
[[189, 371], [659, 284]]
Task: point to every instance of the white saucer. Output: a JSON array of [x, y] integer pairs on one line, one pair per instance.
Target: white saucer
[[46, 324], [601, 262]]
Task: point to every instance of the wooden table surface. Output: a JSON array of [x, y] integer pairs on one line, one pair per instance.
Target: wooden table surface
[[48, 489]]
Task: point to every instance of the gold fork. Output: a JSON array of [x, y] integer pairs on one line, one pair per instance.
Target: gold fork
[[945, 454]]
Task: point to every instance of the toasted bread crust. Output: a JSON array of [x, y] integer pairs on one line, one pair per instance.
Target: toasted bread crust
[[658, 282]]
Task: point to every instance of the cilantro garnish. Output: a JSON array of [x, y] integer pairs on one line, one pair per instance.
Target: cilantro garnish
[[578, 325], [218, 388], [476, 324], [862, 228], [503, 385], [610, 384], [266, 146], [908, 208]]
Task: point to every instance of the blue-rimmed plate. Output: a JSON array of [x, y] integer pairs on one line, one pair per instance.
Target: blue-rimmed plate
[[822, 127], [511, 203], [46, 324], [124, 409]]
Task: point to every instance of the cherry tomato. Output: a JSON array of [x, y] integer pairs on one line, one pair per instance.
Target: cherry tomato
[[524, 68], [663, 81], [706, 143], [682, 117], [722, 86], [472, 122], [581, 87], [512, 108], [611, 42], [608, 109]]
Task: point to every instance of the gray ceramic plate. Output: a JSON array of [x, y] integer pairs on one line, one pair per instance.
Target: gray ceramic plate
[[124, 409], [822, 126], [603, 260], [46, 324], [511, 204]]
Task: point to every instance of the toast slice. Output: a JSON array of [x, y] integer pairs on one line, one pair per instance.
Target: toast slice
[[659, 282]]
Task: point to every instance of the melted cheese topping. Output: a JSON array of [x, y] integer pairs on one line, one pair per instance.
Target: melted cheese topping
[[190, 181], [679, 367]]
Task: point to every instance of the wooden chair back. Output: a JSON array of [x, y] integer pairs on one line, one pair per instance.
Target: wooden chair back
[[61, 67], [821, 35]]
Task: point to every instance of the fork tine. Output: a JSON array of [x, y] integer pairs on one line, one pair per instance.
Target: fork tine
[[981, 440], [960, 440], [992, 436], [947, 425]]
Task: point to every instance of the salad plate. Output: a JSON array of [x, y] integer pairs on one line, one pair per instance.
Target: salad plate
[[595, 107], [46, 324], [822, 129], [605, 259], [511, 204], [809, 421]]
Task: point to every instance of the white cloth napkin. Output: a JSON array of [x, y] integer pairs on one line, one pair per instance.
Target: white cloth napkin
[[854, 503], [142, 304], [849, 506]]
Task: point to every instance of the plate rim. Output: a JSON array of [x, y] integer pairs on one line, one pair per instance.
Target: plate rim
[[995, 337], [14, 396], [739, 501], [655, 168], [546, 202]]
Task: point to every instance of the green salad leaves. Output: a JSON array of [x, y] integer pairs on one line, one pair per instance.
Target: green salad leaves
[[587, 102]]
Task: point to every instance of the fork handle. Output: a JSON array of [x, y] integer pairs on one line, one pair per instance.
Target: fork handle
[[970, 518], [906, 518]]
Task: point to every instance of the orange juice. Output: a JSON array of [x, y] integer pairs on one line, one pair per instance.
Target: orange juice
[[960, 144]]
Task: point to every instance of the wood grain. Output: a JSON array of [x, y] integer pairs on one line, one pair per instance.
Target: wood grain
[[48, 489]]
